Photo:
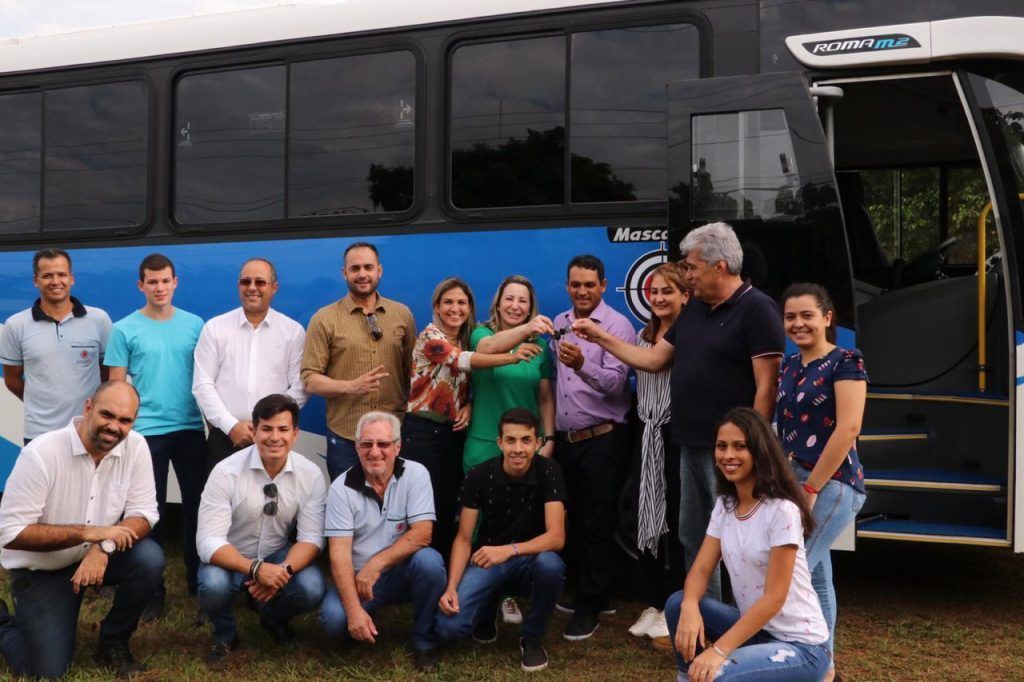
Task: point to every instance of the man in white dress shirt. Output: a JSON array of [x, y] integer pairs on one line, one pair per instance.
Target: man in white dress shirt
[[243, 355], [76, 512], [252, 501]]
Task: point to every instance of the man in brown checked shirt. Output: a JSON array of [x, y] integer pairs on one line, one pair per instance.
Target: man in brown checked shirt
[[358, 355]]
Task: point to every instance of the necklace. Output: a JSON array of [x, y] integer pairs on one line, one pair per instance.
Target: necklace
[[744, 517]]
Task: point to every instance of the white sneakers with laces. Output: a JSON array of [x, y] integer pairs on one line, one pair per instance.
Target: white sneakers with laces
[[651, 623], [510, 612]]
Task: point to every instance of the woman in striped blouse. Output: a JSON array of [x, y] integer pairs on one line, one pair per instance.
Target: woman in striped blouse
[[657, 532]]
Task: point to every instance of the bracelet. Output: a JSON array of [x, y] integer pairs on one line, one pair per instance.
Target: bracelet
[[253, 567], [515, 549], [718, 651], [810, 490]]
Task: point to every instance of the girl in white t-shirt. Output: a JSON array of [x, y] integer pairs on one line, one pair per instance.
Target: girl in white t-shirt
[[758, 528]]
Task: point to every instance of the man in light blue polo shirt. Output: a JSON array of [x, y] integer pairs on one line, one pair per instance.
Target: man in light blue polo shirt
[[154, 346], [380, 516], [52, 353]]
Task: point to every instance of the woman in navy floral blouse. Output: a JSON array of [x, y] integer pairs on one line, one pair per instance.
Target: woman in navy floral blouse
[[820, 406]]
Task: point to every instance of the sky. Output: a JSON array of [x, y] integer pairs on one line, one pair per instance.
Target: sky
[[20, 18]]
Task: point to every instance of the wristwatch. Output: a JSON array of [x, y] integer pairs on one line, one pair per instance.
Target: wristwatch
[[107, 546]]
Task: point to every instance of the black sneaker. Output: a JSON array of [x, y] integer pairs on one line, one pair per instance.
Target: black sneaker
[[486, 631], [570, 608], [220, 652], [281, 632], [425, 660], [534, 656], [154, 609], [582, 625], [118, 657]]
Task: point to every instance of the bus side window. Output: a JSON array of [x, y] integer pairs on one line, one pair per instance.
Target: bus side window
[[20, 150], [229, 151]]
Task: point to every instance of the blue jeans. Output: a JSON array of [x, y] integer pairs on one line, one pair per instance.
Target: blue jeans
[[218, 587], [835, 509], [420, 579], [539, 577], [697, 493], [762, 657], [341, 454], [39, 640], [186, 450]]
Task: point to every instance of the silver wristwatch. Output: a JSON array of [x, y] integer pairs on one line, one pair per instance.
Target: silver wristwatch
[[108, 546]]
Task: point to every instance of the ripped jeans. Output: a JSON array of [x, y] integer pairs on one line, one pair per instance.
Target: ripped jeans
[[762, 657]]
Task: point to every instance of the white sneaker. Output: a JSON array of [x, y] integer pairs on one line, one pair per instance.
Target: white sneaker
[[659, 628], [510, 612], [645, 621]]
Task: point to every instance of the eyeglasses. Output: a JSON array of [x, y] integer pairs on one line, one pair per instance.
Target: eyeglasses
[[270, 508], [367, 445], [249, 281], [375, 330]]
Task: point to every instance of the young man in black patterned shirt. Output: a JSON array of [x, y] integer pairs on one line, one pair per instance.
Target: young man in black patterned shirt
[[519, 499]]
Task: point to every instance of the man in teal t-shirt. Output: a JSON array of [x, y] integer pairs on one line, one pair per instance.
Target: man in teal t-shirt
[[154, 346]]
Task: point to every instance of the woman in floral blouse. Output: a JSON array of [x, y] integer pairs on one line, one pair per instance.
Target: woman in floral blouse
[[821, 395], [439, 408]]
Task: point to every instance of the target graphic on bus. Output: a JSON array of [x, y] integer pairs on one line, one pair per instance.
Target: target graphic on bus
[[637, 287]]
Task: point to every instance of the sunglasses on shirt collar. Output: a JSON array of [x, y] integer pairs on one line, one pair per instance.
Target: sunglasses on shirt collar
[[270, 508], [375, 331]]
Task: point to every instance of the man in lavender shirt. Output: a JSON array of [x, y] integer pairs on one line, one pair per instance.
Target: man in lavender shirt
[[591, 405]]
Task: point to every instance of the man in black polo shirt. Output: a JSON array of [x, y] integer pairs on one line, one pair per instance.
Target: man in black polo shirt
[[730, 340], [519, 499]]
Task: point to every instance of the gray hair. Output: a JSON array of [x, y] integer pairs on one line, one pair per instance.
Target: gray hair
[[716, 242], [374, 417]]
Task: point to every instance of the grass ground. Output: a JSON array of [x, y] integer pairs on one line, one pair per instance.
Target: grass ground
[[907, 612]]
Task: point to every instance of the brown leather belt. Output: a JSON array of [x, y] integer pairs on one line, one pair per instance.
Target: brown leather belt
[[588, 433]]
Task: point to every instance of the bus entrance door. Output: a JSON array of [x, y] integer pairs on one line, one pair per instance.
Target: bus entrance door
[[751, 151]]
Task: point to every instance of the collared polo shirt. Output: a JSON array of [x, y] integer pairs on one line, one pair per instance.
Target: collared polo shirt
[[61, 359], [158, 357], [339, 345], [55, 481], [355, 510], [236, 364], [512, 509], [599, 391], [712, 371], [231, 509]]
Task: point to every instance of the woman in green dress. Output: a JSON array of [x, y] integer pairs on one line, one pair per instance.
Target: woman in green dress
[[514, 322]]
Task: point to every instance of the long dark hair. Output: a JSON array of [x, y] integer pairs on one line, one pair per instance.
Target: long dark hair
[[773, 477], [821, 298]]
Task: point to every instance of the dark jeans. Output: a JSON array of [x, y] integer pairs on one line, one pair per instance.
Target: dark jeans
[[187, 452], [593, 477], [218, 448], [439, 449], [762, 657], [341, 454], [218, 587], [420, 579], [663, 574], [539, 577], [39, 640]]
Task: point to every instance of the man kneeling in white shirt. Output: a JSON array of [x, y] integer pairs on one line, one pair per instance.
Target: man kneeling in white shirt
[[251, 502], [76, 512]]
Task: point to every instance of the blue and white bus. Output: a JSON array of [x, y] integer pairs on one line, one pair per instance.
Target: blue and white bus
[[876, 147]]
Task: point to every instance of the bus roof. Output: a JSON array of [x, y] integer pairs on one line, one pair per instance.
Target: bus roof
[[249, 27]]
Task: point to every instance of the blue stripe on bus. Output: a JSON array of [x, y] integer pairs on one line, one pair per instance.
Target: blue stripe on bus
[[8, 454]]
